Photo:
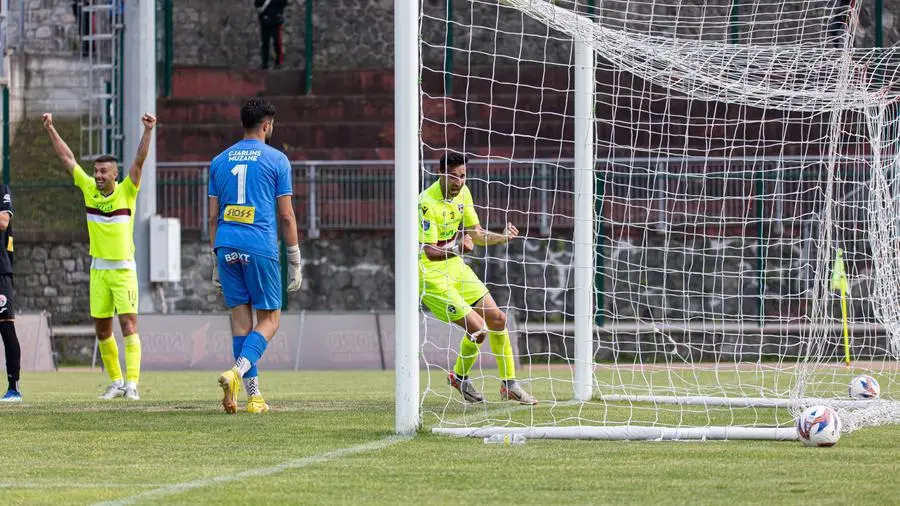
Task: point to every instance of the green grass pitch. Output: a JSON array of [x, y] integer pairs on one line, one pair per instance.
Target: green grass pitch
[[327, 441]]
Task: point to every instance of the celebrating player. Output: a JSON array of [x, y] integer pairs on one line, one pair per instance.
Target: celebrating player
[[7, 324], [110, 222], [248, 183], [448, 228]]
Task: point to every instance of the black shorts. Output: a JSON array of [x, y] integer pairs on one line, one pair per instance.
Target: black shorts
[[6, 297]]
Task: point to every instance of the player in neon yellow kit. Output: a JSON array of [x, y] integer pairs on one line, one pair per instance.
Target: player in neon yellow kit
[[448, 228], [109, 208]]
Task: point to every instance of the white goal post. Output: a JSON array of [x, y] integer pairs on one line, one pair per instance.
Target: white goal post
[[694, 171]]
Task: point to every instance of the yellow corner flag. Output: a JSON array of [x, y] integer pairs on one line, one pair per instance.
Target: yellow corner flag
[[839, 282], [839, 274]]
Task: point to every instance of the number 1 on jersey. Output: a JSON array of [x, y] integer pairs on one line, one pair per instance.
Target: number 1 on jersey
[[240, 171]]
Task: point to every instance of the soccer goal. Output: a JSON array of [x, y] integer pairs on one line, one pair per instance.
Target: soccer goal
[[709, 195]]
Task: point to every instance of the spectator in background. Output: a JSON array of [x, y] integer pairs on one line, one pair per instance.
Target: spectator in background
[[271, 23], [83, 20]]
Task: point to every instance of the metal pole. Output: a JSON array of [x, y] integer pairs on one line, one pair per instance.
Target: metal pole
[[406, 185], [761, 250], [599, 267], [139, 93], [169, 34], [108, 118], [448, 50], [545, 208], [879, 23], [308, 49], [21, 25], [6, 143], [4, 76], [119, 72], [733, 33], [312, 202], [583, 261]]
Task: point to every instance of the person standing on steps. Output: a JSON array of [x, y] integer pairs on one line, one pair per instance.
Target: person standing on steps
[[271, 28]]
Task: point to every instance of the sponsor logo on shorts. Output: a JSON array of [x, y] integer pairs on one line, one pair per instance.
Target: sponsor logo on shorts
[[237, 258], [451, 309]]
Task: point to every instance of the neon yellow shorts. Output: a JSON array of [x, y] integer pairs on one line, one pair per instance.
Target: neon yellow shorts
[[449, 288], [113, 291]]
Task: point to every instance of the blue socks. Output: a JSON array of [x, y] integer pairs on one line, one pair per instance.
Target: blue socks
[[253, 349], [237, 345]]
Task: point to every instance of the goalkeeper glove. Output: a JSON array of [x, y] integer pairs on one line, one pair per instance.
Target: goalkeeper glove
[[295, 273], [215, 274]]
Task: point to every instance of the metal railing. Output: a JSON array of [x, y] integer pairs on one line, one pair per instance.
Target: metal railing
[[656, 193]]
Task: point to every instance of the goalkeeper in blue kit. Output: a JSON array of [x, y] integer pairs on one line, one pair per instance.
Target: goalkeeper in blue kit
[[249, 189]]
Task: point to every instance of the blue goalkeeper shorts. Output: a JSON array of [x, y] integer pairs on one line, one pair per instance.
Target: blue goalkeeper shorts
[[249, 279]]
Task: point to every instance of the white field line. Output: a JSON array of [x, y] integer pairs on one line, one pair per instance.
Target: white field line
[[70, 485], [177, 488]]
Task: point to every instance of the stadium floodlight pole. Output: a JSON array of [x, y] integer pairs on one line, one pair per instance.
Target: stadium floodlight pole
[[583, 254], [139, 68], [406, 243]]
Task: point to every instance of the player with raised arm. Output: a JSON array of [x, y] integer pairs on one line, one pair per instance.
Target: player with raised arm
[[249, 188], [11, 347], [109, 208], [448, 228]]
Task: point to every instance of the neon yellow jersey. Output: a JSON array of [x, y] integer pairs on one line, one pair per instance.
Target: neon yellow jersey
[[441, 220], [110, 220]]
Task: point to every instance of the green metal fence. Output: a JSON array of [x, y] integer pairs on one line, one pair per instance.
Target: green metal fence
[[636, 193]]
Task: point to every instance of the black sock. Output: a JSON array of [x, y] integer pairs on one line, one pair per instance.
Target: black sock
[[13, 353]]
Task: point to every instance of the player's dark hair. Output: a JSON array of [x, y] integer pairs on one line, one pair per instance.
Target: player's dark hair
[[106, 158], [451, 160], [254, 111]]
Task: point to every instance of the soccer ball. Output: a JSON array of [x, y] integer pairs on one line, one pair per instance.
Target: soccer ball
[[819, 426], [864, 387]]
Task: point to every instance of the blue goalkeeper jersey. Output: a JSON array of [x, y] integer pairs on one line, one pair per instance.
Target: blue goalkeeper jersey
[[247, 178]]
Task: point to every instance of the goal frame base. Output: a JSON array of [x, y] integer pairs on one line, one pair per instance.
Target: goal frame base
[[630, 433]]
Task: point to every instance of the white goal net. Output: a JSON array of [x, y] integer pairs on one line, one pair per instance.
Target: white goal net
[[684, 175]]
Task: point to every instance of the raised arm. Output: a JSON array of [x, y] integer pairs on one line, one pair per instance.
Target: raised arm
[[59, 145], [149, 121]]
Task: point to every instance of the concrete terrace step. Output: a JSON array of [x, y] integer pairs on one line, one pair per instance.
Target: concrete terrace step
[[457, 109], [209, 140], [197, 82], [350, 108], [432, 152]]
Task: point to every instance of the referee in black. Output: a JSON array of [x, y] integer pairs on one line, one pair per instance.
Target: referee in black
[[7, 324]]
